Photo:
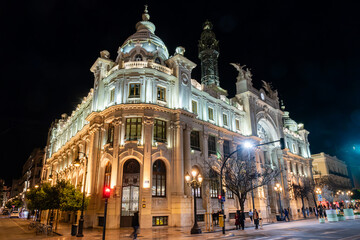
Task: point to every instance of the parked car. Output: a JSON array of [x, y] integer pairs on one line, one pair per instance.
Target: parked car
[[14, 214]]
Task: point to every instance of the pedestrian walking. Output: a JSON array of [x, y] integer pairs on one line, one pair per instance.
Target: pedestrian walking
[[237, 219], [321, 212], [286, 213], [213, 215], [307, 211], [242, 220], [251, 215], [256, 219], [135, 225], [260, 220]]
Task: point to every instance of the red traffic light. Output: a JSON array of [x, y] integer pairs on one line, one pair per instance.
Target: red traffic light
[[107, 192], [219, 197]]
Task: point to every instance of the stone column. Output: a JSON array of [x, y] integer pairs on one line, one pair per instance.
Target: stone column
[[114, 204], [145, 195], [93, 159], [178, 161], [187, 156]]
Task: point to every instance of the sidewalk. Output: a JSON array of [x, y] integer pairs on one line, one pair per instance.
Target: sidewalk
[[64, 229]]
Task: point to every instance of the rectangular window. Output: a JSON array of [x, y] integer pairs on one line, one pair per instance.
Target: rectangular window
[[195, 140], [226, 148], [159, 130], [225, 119], [112, 95], [237, 124], [194, 107], [160, 221], [229, 194], [134, 90], [161, 94], [212, 145], [211, 113], [133, 129], [110, 138], [213, 189]]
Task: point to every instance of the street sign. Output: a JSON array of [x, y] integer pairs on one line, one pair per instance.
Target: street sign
[[223, 198], [319, 198]]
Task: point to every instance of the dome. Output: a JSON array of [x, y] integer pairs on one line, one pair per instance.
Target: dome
[[145, 38], [289, 123]]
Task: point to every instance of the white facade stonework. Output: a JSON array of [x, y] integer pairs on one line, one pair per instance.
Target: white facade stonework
[[146, 123]]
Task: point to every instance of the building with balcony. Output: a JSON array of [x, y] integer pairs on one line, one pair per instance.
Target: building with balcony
[[147, 122], [326, 166]]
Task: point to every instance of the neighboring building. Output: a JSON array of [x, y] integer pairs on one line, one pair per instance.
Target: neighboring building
[[5, 195], [325, 165], [146, 123], [16, 188], [31, 172]]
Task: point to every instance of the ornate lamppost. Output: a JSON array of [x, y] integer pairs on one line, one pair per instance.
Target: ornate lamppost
[[194, 181], [278, 189], [81, 220]]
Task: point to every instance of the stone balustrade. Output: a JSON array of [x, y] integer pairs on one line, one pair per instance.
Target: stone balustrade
[[143, 64]]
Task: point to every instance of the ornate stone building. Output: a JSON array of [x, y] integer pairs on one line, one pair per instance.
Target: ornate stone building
[[325, 165], [146, 123]]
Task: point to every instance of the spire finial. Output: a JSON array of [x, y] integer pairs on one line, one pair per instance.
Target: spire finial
[[282, 105], [146, 16]]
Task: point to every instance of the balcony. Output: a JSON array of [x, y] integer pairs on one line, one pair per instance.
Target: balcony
[[143, 64]]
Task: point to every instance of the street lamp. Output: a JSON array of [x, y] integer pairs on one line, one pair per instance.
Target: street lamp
[[278, 189], [81, 220], [194, 181]]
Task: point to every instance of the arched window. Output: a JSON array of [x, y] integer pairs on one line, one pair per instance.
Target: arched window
[[159, 179], [107, 176], [138, 57]]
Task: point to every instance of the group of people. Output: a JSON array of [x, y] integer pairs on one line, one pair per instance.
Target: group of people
[[255, 216], [215, 217]]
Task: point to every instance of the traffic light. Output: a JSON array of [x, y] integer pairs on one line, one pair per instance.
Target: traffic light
[[106, 193], [282, 143]]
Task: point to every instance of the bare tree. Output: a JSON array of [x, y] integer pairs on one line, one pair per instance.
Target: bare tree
[[242, 174], [302, 190]]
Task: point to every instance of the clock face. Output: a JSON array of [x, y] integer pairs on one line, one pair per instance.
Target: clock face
[[262, 96], [184, 78]]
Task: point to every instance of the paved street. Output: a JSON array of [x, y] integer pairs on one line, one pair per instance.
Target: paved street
[[305, 229]]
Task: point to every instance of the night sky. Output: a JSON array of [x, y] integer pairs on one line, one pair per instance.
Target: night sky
[[309, 51]]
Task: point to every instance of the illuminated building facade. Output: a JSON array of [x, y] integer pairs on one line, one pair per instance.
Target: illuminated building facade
[[325, 165], [146, 123]]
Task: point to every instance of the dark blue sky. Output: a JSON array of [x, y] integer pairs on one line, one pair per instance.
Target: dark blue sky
[[309, 50]]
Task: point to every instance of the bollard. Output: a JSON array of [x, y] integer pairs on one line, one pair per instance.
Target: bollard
[[73, 229], [221, 220]]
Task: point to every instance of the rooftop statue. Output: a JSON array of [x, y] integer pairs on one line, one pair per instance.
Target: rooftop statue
[[269, 89], [243, 74]]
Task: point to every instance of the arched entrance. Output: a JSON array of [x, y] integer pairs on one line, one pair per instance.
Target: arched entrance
[[130, 192]]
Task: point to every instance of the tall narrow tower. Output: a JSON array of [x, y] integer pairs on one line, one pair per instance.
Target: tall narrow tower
[[208, 54]]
